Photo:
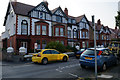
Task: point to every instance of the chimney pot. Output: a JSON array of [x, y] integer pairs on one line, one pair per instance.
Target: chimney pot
[[66, 11], [98, 22]]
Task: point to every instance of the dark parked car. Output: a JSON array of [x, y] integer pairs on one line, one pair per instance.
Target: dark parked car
[[78, 53], [105, 58]]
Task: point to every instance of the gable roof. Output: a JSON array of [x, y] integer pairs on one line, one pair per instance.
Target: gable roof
[[56, 9], [79, 18], [21, 8]]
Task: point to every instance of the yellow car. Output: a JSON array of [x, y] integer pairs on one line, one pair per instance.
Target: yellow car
[[45, 55]]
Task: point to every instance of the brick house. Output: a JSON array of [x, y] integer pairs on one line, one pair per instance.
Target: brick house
[[26, 25], [103, 34]]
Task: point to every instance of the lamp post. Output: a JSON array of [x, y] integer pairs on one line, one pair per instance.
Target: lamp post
[[93, 24]]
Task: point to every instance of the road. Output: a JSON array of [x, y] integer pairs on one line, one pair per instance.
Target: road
[[70, 69]]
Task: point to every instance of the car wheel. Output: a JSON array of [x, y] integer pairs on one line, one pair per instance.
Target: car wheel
[[64, 59], [104, 67], [44, 61]]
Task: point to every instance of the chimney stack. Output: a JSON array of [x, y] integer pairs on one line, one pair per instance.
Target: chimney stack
[[66, 11], [98, 22], [45, 1]]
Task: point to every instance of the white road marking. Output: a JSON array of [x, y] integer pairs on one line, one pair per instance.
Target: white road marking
[[105, 76], [73, 75], [58, 70]]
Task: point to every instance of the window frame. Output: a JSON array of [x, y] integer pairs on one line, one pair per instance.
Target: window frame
[[22, 23]]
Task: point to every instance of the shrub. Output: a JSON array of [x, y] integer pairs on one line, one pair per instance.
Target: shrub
[[69, 49], [56, 45]]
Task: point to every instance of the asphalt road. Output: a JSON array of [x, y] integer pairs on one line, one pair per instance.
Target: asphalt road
[[70, 69]]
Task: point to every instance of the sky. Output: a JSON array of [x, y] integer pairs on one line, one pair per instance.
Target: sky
[[105, 10]]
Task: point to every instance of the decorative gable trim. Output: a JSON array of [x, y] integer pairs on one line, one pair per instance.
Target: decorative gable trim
[[41, 7], [59, 12]]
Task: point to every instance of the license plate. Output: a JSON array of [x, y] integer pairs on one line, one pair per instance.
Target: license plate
[[88, 58]]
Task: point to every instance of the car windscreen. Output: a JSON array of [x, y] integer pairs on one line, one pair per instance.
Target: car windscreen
[[90, 52]]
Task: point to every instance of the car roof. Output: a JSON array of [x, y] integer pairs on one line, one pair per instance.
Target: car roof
[[98, 48]]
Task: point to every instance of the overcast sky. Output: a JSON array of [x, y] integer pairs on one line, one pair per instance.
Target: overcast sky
[[105, 10]]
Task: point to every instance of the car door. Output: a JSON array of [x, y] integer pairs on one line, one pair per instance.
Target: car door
[[112, 57], [55, 54], [105, 57], [48, 55]]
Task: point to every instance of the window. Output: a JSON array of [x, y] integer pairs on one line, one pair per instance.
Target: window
[[56, 31], [69, 20], [58, 19], [86, 34], [47, 52], [84, 25], [83, 34], [74, 33], [38, 29], [69, 33], [61, 32], [24, 27], [102, 37], [41, 15], [73, 21], [44, 30], [54, 52]]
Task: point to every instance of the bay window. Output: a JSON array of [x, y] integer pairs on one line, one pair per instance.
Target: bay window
[[61, 32], [38, 30], [44, 30], [56, 31]]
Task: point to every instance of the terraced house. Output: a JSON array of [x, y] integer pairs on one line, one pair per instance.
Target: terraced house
[[26, 25]]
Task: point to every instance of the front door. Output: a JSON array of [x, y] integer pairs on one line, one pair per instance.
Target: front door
[[24, 44]]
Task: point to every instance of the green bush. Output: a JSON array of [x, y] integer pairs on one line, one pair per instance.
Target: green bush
[[71, 49], [56, 45]]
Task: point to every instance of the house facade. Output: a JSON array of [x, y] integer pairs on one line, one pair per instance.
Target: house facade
[[103, 34], [26, 25]]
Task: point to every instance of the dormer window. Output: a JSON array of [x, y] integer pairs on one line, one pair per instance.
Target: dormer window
[[69, 20], [73, 21]]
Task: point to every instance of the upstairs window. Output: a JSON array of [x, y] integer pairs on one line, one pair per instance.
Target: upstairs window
[[24, 27], [58, 19], [73, 21]]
